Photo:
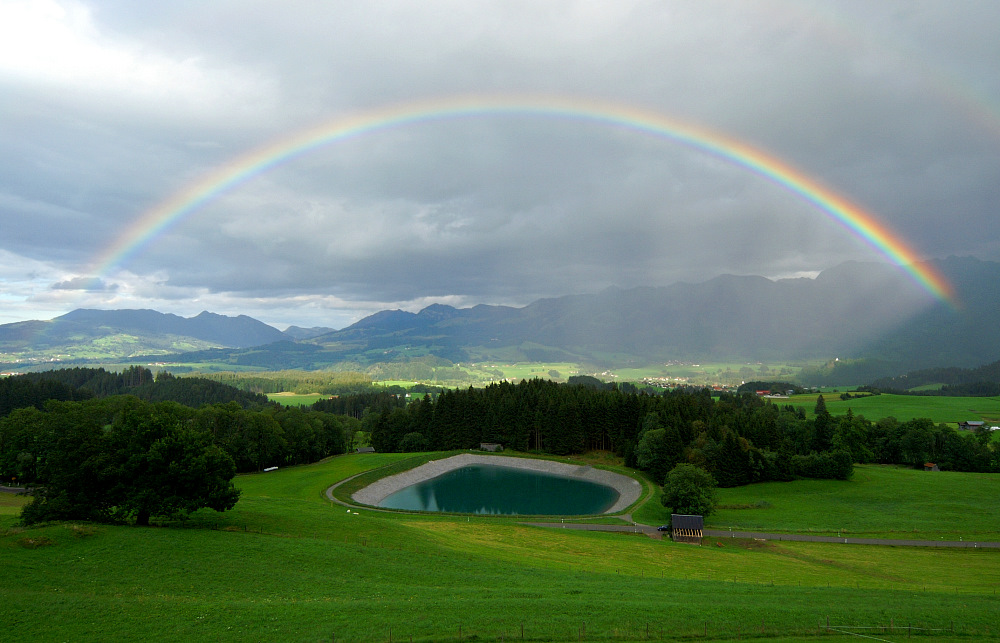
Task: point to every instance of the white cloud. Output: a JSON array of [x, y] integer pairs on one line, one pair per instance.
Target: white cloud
[[56, 45]]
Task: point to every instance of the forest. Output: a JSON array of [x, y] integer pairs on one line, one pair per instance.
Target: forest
[[35, 412], [739, 438]]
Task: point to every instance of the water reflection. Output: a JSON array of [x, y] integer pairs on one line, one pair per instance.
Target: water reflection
[[490, 489]]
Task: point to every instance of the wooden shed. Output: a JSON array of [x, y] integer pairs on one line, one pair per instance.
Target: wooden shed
[[686, 529], [490, 446]]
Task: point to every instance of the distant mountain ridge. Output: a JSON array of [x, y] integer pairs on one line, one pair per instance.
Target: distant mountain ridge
[[725, 317], [85, 334], [237, 332], [871, 311], [852, 310]]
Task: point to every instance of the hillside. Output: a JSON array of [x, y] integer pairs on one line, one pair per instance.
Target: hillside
[[85, 334]]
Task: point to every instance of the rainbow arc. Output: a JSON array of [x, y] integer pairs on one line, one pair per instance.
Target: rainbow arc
[[864, 225]]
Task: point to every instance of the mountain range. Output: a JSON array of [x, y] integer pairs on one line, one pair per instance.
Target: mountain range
[[855, 310]]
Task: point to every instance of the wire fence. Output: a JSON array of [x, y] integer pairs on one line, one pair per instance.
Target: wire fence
[[891, 632]]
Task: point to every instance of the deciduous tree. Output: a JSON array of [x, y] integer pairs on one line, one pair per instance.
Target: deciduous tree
[[689, 490]]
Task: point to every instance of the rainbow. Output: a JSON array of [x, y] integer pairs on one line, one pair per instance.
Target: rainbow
[[865, 226]]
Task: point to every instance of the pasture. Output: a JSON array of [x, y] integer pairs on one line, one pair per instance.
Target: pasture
[[940, 409], [296, 399], [287, 564]]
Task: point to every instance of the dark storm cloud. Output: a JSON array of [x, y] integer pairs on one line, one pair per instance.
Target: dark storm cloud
[[111, 107]]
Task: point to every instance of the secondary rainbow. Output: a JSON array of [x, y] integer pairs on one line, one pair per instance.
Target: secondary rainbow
[[864, 225]]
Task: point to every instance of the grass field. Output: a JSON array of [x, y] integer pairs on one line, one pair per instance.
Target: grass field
[[878, 502], [949, 410], [296, 399], [288, 565]]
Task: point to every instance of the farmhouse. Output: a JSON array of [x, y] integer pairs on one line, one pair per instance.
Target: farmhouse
[[686, 529], [970, 425]]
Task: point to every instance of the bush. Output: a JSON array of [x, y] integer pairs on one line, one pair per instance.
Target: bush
[[835, 465], [413, 442]]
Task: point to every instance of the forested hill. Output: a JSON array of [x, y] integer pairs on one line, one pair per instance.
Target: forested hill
[[75, 384], [982, 381]]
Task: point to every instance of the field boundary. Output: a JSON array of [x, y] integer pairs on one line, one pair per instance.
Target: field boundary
[[653, 532], [748, 535]]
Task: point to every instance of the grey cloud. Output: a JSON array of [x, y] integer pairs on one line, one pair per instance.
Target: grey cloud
[[85, 283], [886, 103]]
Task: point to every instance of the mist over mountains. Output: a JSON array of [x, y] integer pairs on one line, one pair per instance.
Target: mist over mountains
[[855, 310]]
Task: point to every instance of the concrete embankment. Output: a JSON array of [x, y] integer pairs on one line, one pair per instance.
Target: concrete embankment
[[628, 488]]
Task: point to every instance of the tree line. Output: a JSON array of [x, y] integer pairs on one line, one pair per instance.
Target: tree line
[[325, 382], [34, 389], [121, 457], [254, 439], [739, 438]]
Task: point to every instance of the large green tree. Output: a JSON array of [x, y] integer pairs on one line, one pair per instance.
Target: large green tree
[[689, 490], [147, 463]]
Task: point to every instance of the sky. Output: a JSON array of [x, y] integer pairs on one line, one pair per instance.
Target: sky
[[466, 152]]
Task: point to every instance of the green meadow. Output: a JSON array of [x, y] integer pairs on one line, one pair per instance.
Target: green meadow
[[949, 410], [288, 565], [296, 399]]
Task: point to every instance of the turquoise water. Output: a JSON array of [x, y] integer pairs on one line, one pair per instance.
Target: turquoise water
[[489, 489]]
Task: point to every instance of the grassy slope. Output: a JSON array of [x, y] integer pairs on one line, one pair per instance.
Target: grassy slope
[[305, 569], [879, 501]]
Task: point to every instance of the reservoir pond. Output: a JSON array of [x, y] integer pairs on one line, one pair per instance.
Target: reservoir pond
[[490, 489]]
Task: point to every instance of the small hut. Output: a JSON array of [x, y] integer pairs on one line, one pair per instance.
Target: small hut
[[930, 466], [490, 446], [686, 529], [365, 450]]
